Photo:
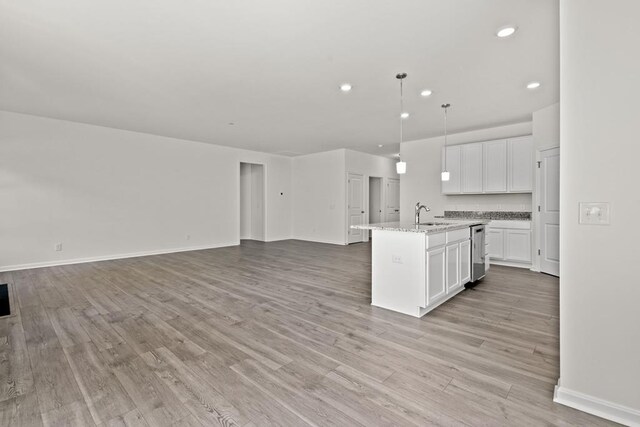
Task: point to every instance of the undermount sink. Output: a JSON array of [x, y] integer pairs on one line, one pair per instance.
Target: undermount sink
[[433, 223]]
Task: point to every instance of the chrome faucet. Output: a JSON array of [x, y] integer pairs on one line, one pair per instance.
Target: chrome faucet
[[419, 207]]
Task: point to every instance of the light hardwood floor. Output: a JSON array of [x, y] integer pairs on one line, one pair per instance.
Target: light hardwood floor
[[273, 334]]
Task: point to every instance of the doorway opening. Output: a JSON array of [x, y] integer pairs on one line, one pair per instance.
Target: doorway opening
[[376, 201], [252, 205]]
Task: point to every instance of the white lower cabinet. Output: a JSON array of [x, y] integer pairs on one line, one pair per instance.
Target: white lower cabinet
[[510, 243], [435, 287], [495, 237], [518, 245], [453, 267]]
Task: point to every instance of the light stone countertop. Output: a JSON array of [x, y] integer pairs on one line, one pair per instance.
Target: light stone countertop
[[442, 225]]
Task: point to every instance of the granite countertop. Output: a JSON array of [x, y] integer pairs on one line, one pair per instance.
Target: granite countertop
[[496, 215], [441, 226]]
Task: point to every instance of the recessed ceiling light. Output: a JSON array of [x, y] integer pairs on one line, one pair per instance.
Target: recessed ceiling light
[[426, 92], [380, 145], [345, 87], [506, 31], [533, 85], [404, 115]]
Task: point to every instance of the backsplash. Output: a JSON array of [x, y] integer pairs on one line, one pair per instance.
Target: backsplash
[[524, 216]]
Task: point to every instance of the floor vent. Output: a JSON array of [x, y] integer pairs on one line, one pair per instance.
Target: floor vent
[[5, 306]]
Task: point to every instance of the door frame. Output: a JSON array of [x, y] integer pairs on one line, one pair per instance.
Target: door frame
[[537, 220], [365, 206], [383, 214], [264, 197]]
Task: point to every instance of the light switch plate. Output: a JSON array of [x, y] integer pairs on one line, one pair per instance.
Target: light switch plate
[[596, 213]]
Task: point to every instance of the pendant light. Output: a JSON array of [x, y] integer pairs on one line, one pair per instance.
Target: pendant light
[[445, 174], [401, 167]]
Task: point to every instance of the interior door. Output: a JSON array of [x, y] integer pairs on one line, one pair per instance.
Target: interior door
[[393, 200], [355, 207], [549, 197]]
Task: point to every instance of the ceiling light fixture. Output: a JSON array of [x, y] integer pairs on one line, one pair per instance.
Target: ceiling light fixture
[[401, 167], [345, 87], [506, 31], [380, 145], [445, 173], [426, 93], [533, 85]]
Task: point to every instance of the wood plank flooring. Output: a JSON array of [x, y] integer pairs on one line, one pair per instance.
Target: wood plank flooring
[[276, 333]]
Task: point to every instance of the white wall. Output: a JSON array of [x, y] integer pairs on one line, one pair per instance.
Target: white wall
[[319, 198], [104, 192], [599, 284], [422, 180], [319, 187], [546, 127]]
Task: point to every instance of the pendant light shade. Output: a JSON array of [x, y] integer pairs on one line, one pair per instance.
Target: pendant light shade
[[445, 176], [401, 167]]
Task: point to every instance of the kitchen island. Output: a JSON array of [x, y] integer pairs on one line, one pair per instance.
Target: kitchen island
[[415, 268]]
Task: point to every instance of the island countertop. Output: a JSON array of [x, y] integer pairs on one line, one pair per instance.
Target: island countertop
[[428, 227]]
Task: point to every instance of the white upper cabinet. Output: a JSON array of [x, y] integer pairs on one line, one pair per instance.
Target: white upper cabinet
[[472, 168], [495, 166], [499, 166], [520, 164], [453, 159]]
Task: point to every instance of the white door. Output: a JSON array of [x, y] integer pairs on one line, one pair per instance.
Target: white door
[[549, 218], [355, 207], [375, 200], [452, 161], [465, 261], [472, 168], [495, 166], [393, 200], [453, 267]]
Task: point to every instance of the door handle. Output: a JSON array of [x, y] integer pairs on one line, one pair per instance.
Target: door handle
[[361, 211]]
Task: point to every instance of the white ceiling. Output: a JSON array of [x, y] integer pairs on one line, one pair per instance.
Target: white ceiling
[[187, 69]]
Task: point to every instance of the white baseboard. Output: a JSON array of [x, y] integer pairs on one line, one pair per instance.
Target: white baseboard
[[510, 264], [330, 242], [113, 256], [593, 405]]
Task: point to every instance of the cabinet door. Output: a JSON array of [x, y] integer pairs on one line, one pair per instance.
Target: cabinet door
[[453, 267], [495, 237], [495, 166], [435, 287], [520, 164], [453, 167], [465, 262], [517, 245], [472, 168]]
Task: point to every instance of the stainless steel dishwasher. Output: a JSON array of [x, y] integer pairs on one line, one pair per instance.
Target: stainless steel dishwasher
[[477, 252]]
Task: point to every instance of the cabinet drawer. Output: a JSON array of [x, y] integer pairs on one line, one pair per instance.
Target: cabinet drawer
[[455, 235], [434, 240]]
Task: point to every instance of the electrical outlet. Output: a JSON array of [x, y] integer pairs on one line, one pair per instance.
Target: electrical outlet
[[396, 259], [58, 247]]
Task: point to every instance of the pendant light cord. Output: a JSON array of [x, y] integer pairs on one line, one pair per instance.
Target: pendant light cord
[[401, 109], [446, 107]]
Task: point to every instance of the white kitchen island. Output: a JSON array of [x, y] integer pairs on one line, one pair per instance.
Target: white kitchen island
[[415, 268]]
